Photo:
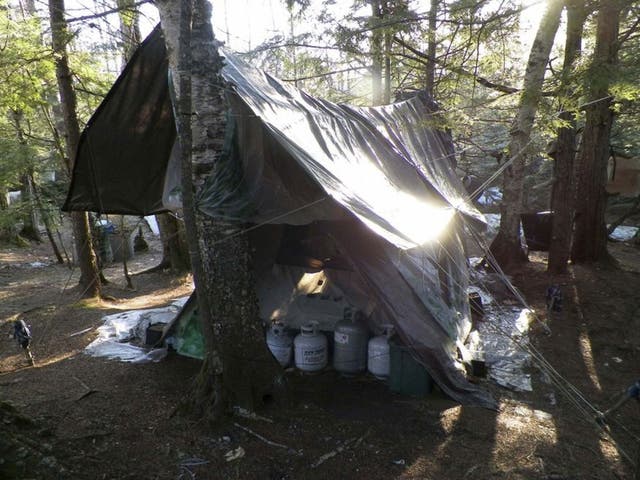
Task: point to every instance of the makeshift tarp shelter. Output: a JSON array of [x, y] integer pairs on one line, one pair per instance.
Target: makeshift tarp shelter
[[350, 205]]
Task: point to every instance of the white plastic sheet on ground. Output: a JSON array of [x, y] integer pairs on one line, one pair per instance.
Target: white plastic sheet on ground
[[121, 335], [622, 233], [498, 339]]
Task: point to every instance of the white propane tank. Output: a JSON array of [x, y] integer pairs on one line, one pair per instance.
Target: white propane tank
[[350, 344], [310, 349], [280, 344], [379, 358]]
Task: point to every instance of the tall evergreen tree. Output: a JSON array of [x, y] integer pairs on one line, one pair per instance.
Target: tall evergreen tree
[[89, 274], [563, 192], [590, 240]]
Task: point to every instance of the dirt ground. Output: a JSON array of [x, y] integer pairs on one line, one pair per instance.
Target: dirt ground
[[79, 417]]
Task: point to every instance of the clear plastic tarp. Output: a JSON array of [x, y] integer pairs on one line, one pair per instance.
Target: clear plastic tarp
[[389, 166], [500, 340], [381, 178]]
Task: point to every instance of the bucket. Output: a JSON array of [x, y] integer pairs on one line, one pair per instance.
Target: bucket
[[475, 302], [154, 334]]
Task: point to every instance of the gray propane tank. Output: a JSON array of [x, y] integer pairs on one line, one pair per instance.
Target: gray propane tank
[[310, 349], [350, 344], [379, 356], [279, 343]]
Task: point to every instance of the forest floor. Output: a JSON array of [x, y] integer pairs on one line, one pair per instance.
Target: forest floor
[[74, 416]]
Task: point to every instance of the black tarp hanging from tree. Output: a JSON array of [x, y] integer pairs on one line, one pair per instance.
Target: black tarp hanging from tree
[[125, 147]]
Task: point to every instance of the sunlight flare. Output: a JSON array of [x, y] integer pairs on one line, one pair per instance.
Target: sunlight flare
[[415, 220], [610, 451], [587, 355], [584, 344], [517, 421], [55, 358], [449, 419]]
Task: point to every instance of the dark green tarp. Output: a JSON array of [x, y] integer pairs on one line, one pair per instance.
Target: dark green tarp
[[124, 149]]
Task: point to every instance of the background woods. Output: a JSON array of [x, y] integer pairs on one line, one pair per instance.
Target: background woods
[[468, 56]]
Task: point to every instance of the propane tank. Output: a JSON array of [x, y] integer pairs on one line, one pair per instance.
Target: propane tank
[[350, 344], [279, 343], [379, 358], [310, 349]]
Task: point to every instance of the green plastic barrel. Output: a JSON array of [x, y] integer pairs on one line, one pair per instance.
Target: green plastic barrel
[[407, 376]]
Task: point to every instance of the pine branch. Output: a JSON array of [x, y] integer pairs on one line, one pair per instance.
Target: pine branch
[[265, 48], [626, 35], [107, 12], [325, 74], [459, 70]]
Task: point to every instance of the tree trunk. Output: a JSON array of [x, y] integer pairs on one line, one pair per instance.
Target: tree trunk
[[29, 216], [563, 190], [506, 246], [9, 232], [238, 368], [376, 52], [174, 248], [590, 242], [46, 219], [89, 275], [292, 50], [430, 68], [28, 211], [386, 97], [129, 27]]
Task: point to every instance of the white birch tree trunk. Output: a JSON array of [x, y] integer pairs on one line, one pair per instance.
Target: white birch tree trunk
[[238, 368]]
